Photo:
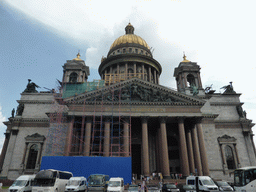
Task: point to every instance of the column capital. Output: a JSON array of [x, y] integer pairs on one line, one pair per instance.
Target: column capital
[[162, 119], [198, 120], [7, 135], [69, 118], [126, 119], [107, 119], [181, 119], [144, 119], [88, 118]]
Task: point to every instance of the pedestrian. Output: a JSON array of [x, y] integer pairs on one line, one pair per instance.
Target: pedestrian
[[153, 174], [161, 177], [142, 187]]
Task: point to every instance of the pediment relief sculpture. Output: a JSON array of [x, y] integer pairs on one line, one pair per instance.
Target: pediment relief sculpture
[[134, 92]]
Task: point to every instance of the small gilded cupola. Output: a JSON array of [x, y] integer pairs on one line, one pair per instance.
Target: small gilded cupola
[[188, 77], [129, 29], [75, 71]]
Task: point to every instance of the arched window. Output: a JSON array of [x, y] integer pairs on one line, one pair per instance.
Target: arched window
[[73, 77], [230, 157], [191, 80], [32, 156]]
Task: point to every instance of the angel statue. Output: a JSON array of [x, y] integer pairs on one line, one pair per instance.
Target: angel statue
[[31, 87], [228, 89]]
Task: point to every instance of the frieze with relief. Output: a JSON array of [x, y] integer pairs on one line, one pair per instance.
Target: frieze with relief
[[134, 92]]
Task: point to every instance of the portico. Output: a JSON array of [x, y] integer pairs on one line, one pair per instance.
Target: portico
[[156, 153], [159, 136]]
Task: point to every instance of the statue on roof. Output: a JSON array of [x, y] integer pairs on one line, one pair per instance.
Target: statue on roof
[[209, 90], [228, 89], [242, 113], [13, 112], [31, 87], [20, 109], [194, 90]]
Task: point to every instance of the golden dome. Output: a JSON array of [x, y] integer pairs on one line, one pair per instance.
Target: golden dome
[[130, 38]]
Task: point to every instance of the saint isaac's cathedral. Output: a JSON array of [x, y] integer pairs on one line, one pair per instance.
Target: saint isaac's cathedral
[[127, 113]]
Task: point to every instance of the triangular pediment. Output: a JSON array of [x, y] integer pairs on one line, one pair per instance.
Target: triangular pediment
[[135, 91]]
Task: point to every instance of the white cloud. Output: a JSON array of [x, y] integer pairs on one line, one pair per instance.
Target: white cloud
[[84, 21], [218, 35]]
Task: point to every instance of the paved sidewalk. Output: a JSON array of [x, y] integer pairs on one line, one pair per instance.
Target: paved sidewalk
[[4, 190]]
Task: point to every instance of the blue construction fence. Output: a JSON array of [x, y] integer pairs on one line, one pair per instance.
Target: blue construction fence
[[85, 166]]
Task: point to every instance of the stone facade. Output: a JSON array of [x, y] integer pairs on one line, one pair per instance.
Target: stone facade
[[189, 131]]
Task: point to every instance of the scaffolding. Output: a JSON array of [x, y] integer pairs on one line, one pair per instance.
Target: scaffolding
[[111, 78], [70, 90], [75, 141], [56, 135]]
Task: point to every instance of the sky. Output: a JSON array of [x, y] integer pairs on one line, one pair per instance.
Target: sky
[[37, 37]]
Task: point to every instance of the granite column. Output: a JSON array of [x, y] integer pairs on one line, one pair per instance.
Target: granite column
[[183, 148], [145, 153]]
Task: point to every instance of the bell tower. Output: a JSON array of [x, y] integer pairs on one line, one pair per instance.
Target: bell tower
[[75, 71], [188, 78]]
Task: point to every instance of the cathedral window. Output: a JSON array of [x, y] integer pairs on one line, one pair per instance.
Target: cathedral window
[[73, 77], [33, 151], [228, 152], [130, 50], [136, 50], [32, 157], [230, 157]]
